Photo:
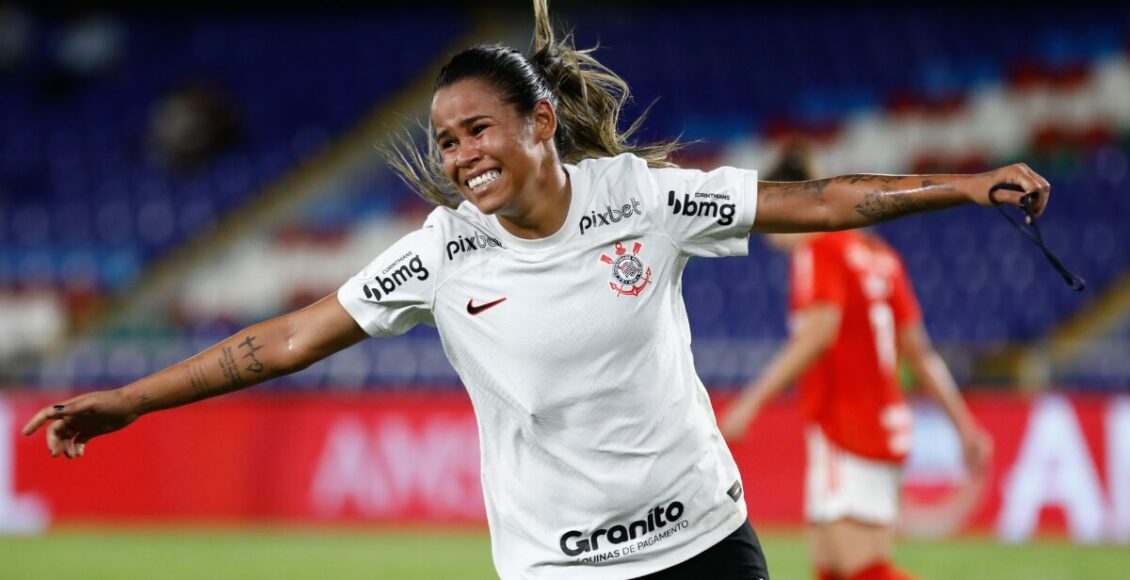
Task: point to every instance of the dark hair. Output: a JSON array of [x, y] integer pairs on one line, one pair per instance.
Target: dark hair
[[586, 96]]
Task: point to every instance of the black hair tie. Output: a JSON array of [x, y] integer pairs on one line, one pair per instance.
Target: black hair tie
[[1027, 203]]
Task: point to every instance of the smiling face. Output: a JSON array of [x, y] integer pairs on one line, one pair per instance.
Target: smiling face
[[494, 155]]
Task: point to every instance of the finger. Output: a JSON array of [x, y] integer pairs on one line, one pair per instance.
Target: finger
[[973, 464], [1045, 190], [978, 461], [1033, 182], [986, 449], [977, 457], [57, 432], [45, 414], [1008, 190], [80, 443]]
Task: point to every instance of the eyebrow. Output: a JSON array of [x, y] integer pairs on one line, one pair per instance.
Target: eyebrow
[[464, 123]]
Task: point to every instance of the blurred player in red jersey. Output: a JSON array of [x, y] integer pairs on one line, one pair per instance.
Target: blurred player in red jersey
[[853, 314]]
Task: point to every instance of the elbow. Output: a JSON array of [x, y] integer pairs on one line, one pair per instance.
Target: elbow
[[821, 339], [292, 365], [824, 341], [294, 357], [821, 216], [835, 218], [291, 353], [826, 327]]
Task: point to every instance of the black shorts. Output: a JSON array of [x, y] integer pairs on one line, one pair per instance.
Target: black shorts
[[737, 557]]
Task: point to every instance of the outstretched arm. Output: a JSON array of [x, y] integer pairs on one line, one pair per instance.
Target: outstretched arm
[[276, 347], [935, 378], [853, 201], [817, 328]]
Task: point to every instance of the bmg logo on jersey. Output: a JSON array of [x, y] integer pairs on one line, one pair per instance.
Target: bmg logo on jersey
[[479, 241], [610, 215], [724, 212], [394, 277]]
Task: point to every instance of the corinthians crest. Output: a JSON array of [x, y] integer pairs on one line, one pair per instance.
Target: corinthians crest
[[629, 276]]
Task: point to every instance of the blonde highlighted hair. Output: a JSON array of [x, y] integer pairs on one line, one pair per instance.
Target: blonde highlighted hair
[[587, 97]]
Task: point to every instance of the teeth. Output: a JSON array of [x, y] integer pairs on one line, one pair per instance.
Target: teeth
[[485, 178]]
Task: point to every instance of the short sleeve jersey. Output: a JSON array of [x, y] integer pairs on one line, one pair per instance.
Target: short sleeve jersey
[[600, 453], [852, 390]]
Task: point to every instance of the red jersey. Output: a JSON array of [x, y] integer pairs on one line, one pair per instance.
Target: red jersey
[[852, 390]]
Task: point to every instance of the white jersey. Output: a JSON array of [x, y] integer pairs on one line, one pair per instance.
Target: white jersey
[[601, 457]]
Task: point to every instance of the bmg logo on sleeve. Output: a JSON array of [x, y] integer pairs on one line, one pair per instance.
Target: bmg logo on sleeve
[[394, 277], [701, 206]]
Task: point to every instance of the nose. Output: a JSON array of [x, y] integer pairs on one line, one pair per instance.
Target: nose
[[467, 154]]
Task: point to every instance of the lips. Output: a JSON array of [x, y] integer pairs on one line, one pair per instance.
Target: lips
[[483, 179]]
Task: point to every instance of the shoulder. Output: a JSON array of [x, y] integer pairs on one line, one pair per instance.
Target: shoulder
[[443, 221], [604, 168], [422, 247], [623, 161], [459, 233]]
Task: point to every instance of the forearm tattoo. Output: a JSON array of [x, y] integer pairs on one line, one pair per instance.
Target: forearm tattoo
[[144, 402], [885, 202], [252, 361], [233, 362], [200, 386], [230, 367]]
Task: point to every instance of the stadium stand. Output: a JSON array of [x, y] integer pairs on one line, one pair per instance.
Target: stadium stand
[[86, 207]]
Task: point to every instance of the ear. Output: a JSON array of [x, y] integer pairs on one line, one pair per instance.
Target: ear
[[545, 121]]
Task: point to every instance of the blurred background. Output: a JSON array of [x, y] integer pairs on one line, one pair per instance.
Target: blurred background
[[169, 178]]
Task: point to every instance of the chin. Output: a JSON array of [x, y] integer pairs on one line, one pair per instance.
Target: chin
[[487, 209], [489, 204]]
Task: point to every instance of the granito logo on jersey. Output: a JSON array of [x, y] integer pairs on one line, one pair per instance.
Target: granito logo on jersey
[[610, 215], [574, 543], [724, 212], [394, 277], [462, 244], [629, 276]]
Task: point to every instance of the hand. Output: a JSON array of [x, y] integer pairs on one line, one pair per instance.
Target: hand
[[736, 420], [976, 449], [76, 421], [1016, 174]]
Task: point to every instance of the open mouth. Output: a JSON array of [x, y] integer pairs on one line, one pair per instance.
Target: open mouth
[[480, 181]]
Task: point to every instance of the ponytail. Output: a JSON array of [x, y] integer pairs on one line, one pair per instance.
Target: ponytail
[[586, 95], [590, 98]]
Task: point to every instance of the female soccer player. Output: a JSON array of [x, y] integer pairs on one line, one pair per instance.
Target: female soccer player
[[853, 312], [554, 285]]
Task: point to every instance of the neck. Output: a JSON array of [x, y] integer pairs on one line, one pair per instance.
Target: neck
[[545, 208]]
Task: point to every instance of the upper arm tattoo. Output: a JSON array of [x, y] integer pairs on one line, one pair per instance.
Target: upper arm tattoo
[[775, 190], [783, 204]]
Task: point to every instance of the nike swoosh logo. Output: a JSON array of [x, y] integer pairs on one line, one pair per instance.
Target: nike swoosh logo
[[474, 310]]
